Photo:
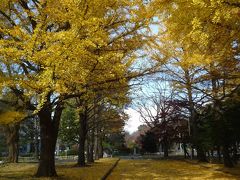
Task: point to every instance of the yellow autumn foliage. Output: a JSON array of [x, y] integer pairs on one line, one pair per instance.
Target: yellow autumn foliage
[[67, 46], [207, 27], [11, 117]]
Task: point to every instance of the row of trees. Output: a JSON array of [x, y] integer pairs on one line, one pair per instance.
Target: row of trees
[[82, 54], [100, 122], [70, 54], [200, 48]]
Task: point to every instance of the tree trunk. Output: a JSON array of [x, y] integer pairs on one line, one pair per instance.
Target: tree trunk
[[87, 149], [219, 154], [46, 166], [192, 152], [100, 148], [193, 115], [226, 157], [235, 155], [36, 149], [165, 146], [96, 147], [201, 155], [91, 147], [49, 127], [211, 156], [211, 153], [91, 159], [82, 137], [81, 153], [12, 136], [36, 141], [95, 133]]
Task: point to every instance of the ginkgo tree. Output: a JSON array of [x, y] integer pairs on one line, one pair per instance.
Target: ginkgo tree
[[49, 49], [203, 37]]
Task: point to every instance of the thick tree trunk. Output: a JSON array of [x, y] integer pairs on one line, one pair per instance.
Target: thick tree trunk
[[81, 153], [48, 138], [12, 136], [46, 166], [89, 149]]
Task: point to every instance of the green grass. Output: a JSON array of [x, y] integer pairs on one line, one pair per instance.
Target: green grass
[[171, 169], [22, 171]]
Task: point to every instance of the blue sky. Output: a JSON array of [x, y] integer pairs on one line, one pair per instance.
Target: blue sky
[[134, 117]]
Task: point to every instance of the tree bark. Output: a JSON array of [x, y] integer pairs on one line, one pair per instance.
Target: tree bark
[[165, 147], [87, 149], [211, 152], [49, 127], [36, 141], [100, 148], [219, 154], [91, 159], [192, 152], [82, 137], [81, 153], [95, 133], [235, 155], [91, 147], [96, 147], [201, 155], [193, 115], [12, 136], [227, 160]]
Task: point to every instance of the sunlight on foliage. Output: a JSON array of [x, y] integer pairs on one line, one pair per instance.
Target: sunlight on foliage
[[11, 117]]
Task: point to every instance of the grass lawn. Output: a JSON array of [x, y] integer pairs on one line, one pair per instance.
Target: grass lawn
[[171, 169], [22, 171]]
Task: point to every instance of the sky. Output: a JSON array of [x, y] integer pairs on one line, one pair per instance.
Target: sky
[[134, 117], [133, 122]]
